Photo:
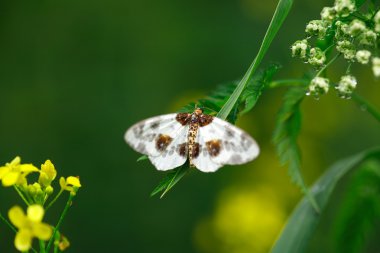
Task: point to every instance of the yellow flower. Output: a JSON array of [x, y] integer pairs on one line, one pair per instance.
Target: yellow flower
[[70, 184], [64, 243], [14, 172], [29, 226], [47, 173]]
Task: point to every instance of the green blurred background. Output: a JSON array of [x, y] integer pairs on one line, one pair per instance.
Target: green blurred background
[[74, 75]]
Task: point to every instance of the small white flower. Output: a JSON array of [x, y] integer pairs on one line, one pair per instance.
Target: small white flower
[[346, 48], [299, 48], [342, 30], [346, 86], [376, 66], [318, 86], [316, 27], [368, 38], [356, 27], [362, 56], [328, 14], [317, 57], [344, 7], [376, 19]]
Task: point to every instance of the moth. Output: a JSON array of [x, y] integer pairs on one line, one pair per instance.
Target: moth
[[207, 141]]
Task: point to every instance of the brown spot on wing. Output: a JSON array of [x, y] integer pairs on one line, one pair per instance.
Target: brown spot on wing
[[196, 150], [155, 124], [182, 149], [229, 133], [246, 141], [214, 147], [163, 141], [138, 130], [183, 118], [205, 119]]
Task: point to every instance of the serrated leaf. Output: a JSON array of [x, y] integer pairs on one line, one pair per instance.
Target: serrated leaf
[[255, 87], [170, 180], [281, 12], [285, 136], [225, 101], [301, 225], [214, 101]]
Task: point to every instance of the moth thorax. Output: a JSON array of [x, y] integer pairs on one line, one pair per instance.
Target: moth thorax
[[194, 118]]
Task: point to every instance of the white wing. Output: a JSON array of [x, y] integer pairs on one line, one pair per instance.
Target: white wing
[[162, 138], [223, 143], [203, 161]]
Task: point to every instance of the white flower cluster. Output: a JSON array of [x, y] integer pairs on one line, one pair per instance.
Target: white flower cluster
[[376, 20], [316, 27], [317, 57], [362, 56], [344, 7], [346, 48], [346, 85], [318, 86], [376, 66], [300, 49], [351, 32]]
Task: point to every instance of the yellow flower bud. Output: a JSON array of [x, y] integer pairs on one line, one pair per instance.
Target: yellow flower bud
[[63, 243], [49, 190], [47, 173]]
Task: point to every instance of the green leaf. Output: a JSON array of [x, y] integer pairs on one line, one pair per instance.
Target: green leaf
[[214, 101], [227, 99], [359, 3], [170, 180], [285, 138], [301, 225], [282, 10], [253, 91], [359, 209], [142, 158]]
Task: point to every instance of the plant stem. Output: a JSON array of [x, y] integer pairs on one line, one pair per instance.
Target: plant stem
[[12, 228], [366, 106], [61, 218], [21, 195], [287, 82], [329, 47], [55, 199], [282, 10], [42, 246], [327, 65], [8, 223]]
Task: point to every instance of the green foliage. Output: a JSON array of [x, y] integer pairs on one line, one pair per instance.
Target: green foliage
[[247, 91], [360, 209], [255, 87], [359, 3], [281, 12], [142, 158], [170, 180], [213, 103], [301, 225], [285, 136]]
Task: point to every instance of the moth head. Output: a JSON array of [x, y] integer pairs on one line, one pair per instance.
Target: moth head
[[198, 111]]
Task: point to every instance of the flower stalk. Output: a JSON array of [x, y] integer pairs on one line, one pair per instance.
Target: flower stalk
[[61, 218]]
